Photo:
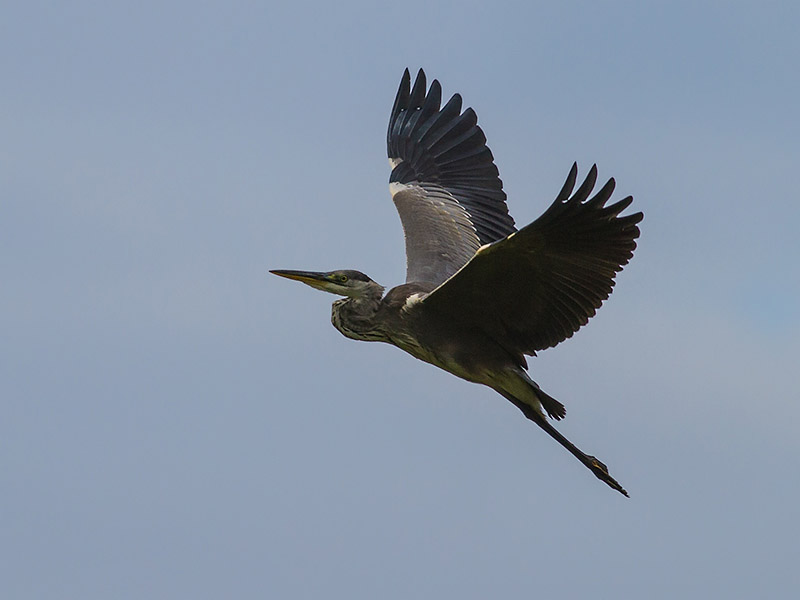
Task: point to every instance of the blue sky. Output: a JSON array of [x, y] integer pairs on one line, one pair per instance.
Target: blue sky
[[178, 423]]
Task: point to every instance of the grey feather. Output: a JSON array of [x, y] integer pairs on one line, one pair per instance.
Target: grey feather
[[457, 203]]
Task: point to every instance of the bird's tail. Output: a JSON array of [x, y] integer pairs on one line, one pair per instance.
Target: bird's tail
[[553, 407]]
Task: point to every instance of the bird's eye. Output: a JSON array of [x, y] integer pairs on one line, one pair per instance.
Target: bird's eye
[[343, 278]]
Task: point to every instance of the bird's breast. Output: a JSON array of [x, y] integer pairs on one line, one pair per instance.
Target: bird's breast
[[445, 352]]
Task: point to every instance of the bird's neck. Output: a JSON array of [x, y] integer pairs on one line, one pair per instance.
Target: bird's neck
[[357, 318]]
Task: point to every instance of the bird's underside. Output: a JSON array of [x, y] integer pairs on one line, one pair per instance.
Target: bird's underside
[[480, 294]]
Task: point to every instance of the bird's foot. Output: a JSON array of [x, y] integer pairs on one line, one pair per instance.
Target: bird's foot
[[601, 472]]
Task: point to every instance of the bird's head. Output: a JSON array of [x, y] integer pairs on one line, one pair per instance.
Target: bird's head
[[353, 284]]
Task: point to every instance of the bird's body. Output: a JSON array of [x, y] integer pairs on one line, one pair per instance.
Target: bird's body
[[400, 318], [396, 319], [480, 295]]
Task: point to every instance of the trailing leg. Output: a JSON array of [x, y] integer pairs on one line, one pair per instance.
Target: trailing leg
[[592, 463]]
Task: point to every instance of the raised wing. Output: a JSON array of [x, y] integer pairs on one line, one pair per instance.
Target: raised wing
[[444, 182], [537, 287]]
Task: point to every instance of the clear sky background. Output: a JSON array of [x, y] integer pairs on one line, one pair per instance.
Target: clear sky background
[[177, 423]]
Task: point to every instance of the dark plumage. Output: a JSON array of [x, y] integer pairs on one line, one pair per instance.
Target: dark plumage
[[480, 295]]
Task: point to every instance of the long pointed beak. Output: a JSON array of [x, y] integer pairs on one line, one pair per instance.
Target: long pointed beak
[[316, 279], [309, 277]]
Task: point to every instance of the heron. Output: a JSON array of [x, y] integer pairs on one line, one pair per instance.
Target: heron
[[481, 295]]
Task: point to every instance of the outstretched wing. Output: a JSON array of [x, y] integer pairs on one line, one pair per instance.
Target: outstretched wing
[[444, 182], [537, 287]]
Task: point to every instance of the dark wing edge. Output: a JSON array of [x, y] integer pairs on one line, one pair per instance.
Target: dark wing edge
[[537, 287], [442, 150]]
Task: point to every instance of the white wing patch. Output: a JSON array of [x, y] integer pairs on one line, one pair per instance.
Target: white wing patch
[[396, 188], [393, 162], [411, 301]]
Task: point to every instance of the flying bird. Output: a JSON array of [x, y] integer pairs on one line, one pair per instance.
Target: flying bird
[[479, 294]]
